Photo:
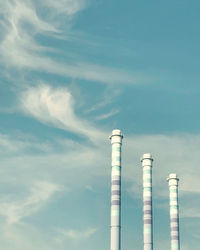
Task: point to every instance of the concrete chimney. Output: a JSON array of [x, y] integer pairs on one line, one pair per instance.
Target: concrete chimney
[[116, 141], [174, 211], [147, 161]]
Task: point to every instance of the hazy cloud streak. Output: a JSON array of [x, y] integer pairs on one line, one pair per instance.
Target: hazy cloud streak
[[41, 192]]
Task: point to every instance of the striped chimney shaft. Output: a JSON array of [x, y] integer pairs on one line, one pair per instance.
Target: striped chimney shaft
[[147, 201], [174, 211], [116, 141]]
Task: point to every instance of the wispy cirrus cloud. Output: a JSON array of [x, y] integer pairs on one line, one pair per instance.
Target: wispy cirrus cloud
[[67, 7], [40, 193], [78, 234], [56, 107], [107, 115], [60, 160], [9, 145], [20, 47]]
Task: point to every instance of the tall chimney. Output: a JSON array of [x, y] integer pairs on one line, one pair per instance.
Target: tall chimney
[[116, 141], [147, 161], [174, 211]]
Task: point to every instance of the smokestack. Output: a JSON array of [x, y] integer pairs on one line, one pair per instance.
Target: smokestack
[[116, 141], [174, 211], [147, 161]]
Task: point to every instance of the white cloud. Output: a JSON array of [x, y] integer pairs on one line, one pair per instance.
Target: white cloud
[[56, 107], [19, 46], [57, 160], [19, 143], [21, 24], [109, 96], [77, 234], [25, 236], [107, 115], [68, 7], [41, 192]]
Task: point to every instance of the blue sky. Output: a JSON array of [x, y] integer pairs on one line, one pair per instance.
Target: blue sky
[[71, 71]]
